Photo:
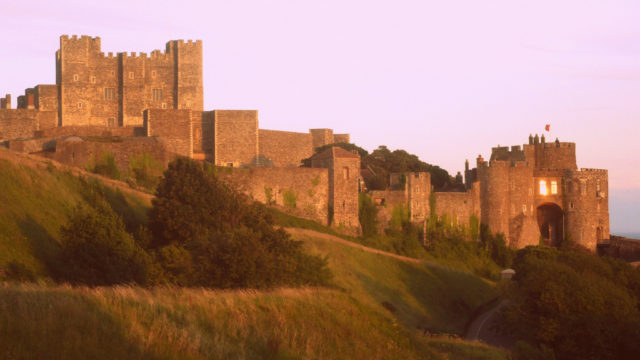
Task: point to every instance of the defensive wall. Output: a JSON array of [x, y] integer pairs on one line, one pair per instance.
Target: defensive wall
[[85, 153], [300, 191]]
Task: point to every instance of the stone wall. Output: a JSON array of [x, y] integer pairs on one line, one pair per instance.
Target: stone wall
[[284, 148], [203, 137], [300, 191], [102, 131], [459, 206], [23, 123], [173, 127], [235, 137], [78, 152]]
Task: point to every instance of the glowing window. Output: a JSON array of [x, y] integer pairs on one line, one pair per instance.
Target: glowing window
[[554, 187], [543, 187]]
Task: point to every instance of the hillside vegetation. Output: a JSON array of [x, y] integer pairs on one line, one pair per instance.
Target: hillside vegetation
[[377, 307]]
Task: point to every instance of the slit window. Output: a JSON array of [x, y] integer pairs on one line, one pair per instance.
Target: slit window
[[345, 173], [157, 95], [131, 75], [109, 93]]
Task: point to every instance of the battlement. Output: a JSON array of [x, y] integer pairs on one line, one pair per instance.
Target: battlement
[[81, 38], [596, 171]]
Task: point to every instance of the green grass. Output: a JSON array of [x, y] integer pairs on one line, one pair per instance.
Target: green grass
[[373, 312], [36, 203], [423, 296]]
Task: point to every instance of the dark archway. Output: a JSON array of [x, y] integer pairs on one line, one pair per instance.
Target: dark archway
[[551, 223]]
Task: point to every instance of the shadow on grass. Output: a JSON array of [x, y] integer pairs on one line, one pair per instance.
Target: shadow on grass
[[58, 324]]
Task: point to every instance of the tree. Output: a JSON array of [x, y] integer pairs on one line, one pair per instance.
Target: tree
[[206, 234], [97, 250]]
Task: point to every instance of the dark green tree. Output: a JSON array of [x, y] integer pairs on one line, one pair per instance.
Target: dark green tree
[[97, 250]]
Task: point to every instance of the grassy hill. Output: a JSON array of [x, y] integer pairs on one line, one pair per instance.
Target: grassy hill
[[374, 311]]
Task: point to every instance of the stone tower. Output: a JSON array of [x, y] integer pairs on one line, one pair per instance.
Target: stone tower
[[344, 174], [106, 90]]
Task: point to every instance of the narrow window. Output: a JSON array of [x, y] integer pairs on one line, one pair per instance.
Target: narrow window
[[598, 185], [543, 187], [164, 105], [345, 173], [111, 122], [76, 77], [571, 204], [157, 95], [554, 187], [79, 105], [93, 79], [583, 187], [153, 74], [113, 73], [109, 93], [524, 209], [131, 75]]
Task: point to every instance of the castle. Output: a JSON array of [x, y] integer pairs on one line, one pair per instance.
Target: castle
[[128, 104]]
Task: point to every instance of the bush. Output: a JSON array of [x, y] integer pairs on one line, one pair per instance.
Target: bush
[[96, 250], [19, 272], [205, 234], [146, 170], [105, 166], [368, 215]]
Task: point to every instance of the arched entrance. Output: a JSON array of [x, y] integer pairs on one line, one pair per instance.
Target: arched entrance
[[551, 223]]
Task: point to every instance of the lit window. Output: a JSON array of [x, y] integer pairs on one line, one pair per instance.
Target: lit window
[[543, 187], [109, 93], [157, 94], [524, 209], [554, 187]]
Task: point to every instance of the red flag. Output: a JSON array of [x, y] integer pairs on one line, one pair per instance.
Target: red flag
[[547, 127]]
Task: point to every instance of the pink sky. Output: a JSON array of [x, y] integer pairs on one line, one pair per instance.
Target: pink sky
[[446, 80]]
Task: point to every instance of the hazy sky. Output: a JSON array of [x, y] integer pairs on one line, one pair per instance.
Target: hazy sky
[[446, 80]]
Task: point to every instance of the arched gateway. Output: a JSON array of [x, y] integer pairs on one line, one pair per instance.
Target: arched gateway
[[551, 223]]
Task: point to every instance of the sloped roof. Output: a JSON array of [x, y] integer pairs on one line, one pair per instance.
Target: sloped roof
[[335, 152]]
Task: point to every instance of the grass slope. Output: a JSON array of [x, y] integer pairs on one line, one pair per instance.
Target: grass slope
[[378, 303], [35, 203]]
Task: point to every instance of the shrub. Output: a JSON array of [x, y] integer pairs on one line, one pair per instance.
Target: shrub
[[205, 234], [145, 170], [289, 198], [96, 250], [105, 166], [368, 215]]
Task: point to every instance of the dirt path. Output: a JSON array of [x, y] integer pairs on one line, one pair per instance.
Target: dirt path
[[40, 163], [307, 232], [484, 329]]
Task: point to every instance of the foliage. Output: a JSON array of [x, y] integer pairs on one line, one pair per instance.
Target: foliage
[[289, 198], [146, 170], [105, 166], [496, 247], [19, 272], [97, 250], [368, 215], [383, 162], [205, 234], [576, 304], [268, 194]]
